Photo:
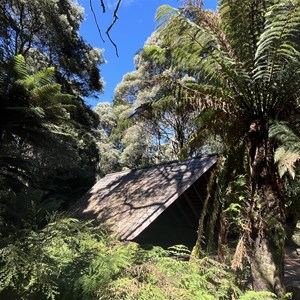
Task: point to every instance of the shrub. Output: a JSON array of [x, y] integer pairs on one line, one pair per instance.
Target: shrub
[[69, 259]]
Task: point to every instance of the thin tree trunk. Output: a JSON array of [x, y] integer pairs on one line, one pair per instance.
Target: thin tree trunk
[[197, 250], [222, 238], [266, 214]]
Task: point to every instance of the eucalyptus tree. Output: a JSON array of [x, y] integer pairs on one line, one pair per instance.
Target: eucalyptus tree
[[122, 142], [158, 100], [246, 60], [46, 33], [109, 141]]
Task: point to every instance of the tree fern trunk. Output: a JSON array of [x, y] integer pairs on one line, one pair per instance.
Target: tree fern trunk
[[266, 214]]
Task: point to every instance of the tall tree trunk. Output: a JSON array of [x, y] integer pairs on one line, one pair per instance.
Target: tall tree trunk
[[266, 214]]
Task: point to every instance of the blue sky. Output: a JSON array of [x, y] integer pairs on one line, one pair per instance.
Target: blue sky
[[135, 25]]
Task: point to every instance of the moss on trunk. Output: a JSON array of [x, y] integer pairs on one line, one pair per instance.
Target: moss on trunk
[[266, 213]]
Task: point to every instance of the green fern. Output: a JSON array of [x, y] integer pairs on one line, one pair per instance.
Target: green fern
[[289, 152], [163, 14], [252, 295], [69, 259], [275, 46], [19, 67]]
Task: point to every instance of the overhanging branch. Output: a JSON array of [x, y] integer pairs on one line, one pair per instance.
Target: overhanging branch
[[115, 18]]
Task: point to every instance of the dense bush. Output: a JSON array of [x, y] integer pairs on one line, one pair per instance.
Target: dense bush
[[69, 259]]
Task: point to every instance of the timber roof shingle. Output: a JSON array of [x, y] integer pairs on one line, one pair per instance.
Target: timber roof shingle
[[132, 200]]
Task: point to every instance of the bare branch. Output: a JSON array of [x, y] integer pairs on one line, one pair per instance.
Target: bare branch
[[103, 6], [95, 18], [115, 16]]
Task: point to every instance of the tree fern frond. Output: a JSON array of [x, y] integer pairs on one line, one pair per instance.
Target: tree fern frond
[[242, 23], [276, 46], [163, 14], [202, 96], [285, 135], [289, 152], [45, 76], [19, 67], [286, 161], [202, 49], [64, 99], [57, 129], [164, 103], [39, 79], [44, 94], [155, 53]]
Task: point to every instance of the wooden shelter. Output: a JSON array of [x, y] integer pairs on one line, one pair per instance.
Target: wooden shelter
[[159, 205]]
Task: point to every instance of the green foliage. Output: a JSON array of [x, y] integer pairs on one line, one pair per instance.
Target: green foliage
[[159, 102], [165, 277], [33, 265], [244, 60], [237, 195], [251, 295], [164, 13], [289, 152], [47, 150], [47, 33], [136, 143], [123, 142], [69, 259], [108, 141]]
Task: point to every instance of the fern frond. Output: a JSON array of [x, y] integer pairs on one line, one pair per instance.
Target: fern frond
[[276, 46], [289, 152], [242, 23], [155, 53], [164, 13], [203, 96], [44, 77], [44, 93], [286, 161], [39, 79], [201, 49], [252, 295], [20, 67]]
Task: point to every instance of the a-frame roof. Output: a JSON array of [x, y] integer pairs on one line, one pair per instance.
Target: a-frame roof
[[132, 200]]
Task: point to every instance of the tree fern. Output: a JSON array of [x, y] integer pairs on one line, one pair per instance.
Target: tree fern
[[246, 56]]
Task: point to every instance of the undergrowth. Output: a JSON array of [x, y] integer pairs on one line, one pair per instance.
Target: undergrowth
[[69, 259]]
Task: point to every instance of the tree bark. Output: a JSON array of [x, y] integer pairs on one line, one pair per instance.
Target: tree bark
[[222, 238], [266, 214], [197, 250]]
